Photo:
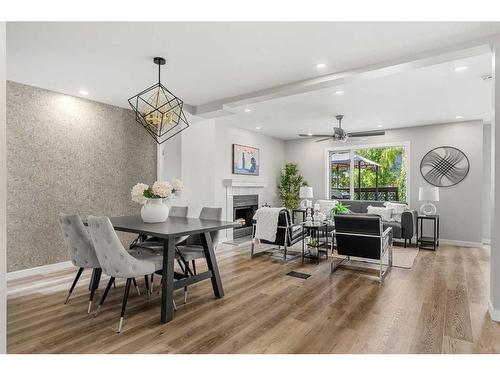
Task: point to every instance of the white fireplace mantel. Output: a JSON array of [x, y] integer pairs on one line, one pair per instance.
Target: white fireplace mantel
[[233, 182]]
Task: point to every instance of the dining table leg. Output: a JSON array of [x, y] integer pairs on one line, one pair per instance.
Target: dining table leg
[[167, 285], [208, 247]]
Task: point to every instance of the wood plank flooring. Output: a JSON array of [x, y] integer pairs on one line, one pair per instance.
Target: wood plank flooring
[[438, 306]]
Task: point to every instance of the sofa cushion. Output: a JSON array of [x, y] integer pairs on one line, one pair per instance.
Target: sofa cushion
[[384, 212], [326, 205], [396, 228], [365, 204], [397, 209]]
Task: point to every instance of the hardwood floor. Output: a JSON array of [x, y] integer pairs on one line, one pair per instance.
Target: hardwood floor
[[438, 306]]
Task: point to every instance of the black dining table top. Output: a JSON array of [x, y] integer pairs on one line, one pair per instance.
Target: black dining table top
[[172, 227]]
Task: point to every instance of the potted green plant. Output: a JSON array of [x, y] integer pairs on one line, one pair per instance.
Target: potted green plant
[[290, 183], [339, 208], [313, 246]]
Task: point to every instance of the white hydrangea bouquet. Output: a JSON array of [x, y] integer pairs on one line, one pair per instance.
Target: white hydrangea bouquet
[[151, 197], [159, 190]]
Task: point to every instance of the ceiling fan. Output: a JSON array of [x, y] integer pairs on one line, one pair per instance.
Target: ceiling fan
[[341, 135]]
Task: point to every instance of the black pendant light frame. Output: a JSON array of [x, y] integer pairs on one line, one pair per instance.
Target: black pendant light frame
[[173, 105]]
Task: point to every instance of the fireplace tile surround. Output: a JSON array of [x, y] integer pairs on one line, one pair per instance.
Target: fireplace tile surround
[[241, 187]]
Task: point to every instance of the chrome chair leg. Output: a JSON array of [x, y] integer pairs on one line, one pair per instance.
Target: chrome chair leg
[[78, 274], [136, 287], [103, 298], [124, 304]]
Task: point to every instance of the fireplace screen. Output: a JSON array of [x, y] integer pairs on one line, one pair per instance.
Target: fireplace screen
[[244, 207]]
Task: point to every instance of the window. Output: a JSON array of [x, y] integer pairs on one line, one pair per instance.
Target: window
[[368, 173]]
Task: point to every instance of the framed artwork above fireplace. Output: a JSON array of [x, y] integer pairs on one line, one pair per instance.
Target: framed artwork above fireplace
[[246, 160]]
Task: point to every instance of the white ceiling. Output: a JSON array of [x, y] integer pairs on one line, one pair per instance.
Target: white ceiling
[[431, 95], [212, 61]]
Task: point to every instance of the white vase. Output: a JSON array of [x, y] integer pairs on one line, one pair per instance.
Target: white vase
[[154, 211]]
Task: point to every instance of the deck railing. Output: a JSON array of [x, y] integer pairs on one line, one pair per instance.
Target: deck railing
[[382, 193]]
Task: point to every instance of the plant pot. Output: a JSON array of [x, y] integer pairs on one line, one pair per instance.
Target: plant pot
[[154, 211]]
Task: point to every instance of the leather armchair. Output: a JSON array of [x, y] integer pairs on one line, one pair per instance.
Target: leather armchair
[[364, 237], [286, 235]]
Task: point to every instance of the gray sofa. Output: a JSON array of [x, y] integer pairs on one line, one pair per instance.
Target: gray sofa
[[403, 231]]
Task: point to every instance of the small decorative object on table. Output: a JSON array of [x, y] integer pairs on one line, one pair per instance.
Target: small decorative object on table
[[306, 193], [315, 245], [154, 209]]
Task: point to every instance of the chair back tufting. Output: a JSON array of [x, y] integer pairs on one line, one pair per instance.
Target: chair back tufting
[[115, 260], [78, 242]]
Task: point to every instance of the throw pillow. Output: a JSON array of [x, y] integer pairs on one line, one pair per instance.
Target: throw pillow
[[384, 212], [326, 205], [398, 209]]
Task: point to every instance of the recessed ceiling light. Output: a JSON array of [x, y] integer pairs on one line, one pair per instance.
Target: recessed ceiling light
[[83, 92], [380, 126], [257, 127], [459, 117], [310, 134], [460, 68], [339, 92], [247, 110], [321, 65]]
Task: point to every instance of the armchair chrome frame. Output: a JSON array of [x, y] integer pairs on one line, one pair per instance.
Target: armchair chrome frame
[[287, 239], [385, 246]]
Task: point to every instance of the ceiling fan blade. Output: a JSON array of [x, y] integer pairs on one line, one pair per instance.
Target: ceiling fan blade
[[315, 135], [367, 134], [324, 139]]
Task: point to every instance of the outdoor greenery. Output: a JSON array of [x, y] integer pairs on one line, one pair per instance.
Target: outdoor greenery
[[290, 183], [392, 171]]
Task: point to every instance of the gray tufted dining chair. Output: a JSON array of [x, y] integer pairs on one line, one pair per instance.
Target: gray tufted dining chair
[[81, 252], [192, 248], [116, 262], [156, 244]]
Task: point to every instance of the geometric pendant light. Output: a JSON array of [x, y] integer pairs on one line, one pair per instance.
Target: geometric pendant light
[[158, 110]]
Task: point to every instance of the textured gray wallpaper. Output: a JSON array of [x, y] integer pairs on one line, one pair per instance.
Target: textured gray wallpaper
[[66, 154]]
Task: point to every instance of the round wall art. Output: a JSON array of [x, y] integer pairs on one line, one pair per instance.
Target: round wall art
[[444, 166]]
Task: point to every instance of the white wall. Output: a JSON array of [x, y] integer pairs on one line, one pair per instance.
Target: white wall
[[198, 166], [486, 186], [459, 206], [272, 159], [3, 194], [204, 157], [169, 159]]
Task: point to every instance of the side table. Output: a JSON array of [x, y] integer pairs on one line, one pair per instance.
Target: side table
[[315, 230], [428, 242]]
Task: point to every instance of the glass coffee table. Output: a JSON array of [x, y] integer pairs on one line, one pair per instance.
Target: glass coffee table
[[318, 233]]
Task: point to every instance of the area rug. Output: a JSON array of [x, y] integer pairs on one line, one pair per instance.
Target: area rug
[[401, 257]]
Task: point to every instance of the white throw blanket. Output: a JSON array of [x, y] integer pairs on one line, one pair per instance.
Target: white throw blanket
[[267, 223]]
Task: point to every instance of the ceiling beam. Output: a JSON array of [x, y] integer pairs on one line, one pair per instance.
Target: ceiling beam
[[230, 105]]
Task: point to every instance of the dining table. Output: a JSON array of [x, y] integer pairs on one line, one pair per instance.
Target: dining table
[[168, 231]]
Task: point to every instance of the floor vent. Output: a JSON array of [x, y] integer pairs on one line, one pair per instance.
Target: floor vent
[[300, 275]]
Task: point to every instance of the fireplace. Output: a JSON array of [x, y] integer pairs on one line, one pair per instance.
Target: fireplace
[[244, 207]]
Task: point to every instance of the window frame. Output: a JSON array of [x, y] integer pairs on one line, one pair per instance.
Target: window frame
[[352, 149]]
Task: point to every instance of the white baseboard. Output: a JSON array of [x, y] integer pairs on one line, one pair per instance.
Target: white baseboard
[[460, 243], [486, 241], [494, 314], [38, 270]]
